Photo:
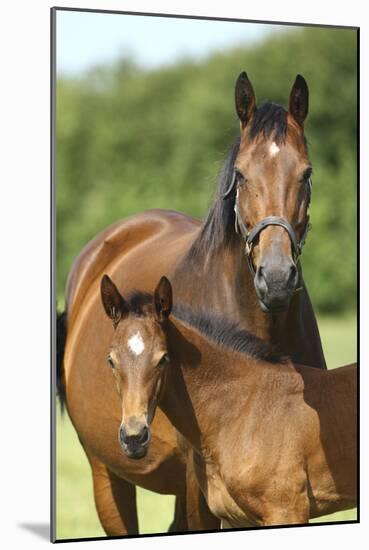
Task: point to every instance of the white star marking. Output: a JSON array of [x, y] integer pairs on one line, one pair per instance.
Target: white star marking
[[136, 344], [273, 149]]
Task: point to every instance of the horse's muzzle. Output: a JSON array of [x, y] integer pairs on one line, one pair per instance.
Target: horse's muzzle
[[275, 286]]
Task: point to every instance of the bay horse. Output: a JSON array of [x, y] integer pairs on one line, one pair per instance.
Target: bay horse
[[242, 261], [274, 442]]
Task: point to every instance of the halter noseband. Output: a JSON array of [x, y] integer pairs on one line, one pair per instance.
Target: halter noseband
[[250, 236]]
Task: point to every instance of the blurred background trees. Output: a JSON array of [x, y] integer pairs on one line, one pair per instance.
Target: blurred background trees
[[130, 139]]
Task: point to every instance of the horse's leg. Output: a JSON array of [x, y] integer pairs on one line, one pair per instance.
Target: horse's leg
[[179, 523], [199, 517], [115, 500]]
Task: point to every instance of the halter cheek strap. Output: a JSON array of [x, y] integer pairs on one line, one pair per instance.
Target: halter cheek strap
[[250, 236]]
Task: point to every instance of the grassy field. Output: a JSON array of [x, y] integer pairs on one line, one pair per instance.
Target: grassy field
[[76, 514]]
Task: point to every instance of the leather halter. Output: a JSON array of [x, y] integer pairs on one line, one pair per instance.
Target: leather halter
[[250, 236]]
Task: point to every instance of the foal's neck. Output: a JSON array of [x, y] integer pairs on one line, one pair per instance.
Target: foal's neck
[[206, 381]]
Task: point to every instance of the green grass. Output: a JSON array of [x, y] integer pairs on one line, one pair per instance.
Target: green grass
[[76, 514]]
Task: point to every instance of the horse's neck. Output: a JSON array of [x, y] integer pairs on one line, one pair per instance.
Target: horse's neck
[[221, 282]]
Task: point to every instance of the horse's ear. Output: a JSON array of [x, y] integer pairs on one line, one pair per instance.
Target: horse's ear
[[245, 99], [299, 100], [163, 299], [114, 304]]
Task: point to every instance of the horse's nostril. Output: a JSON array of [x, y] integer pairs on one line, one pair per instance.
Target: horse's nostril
[[144, 436], [260, 274], [260, 279], [292, 275]]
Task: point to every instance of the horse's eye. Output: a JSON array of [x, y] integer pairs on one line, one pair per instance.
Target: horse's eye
[[111, 363], [306, 176], [163, 360], [240, 177]]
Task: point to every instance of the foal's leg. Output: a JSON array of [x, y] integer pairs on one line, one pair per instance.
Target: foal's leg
[[281, 517], [296, 513], [199, 517], [115, 500], [286, 500]]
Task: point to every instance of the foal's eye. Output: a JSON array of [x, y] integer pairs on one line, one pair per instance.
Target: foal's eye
[[111, 363], [163, 360]]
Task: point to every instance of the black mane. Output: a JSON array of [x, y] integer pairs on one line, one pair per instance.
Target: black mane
[[218, 228], [139, 303], [217, 231], [219, 329], [224, 332]]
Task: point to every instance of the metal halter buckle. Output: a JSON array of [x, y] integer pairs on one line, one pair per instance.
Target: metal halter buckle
[[248, 247]]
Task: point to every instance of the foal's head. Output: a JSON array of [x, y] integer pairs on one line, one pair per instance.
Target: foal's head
[[138, 358], [272, 183]]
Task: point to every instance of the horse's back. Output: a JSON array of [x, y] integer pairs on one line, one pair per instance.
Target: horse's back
[[140, 236]]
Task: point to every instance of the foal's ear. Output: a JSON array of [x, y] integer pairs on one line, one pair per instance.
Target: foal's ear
[[245, 99], [114, 304], [163, 299], [299, 100]]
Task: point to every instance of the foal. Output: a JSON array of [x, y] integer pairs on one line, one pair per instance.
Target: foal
[[274, 442]]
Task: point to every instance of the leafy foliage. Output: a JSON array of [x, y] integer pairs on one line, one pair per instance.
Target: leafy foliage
[[130, 139]]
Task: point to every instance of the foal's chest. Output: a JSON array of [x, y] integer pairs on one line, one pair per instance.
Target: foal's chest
[[218, 497]]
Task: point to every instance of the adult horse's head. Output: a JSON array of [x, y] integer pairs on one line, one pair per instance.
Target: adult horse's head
[[272, 187], [138, 358]]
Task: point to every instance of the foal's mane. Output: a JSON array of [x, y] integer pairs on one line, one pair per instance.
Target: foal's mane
[[140, 304], [216, 328], [269, 120], [224, 332]]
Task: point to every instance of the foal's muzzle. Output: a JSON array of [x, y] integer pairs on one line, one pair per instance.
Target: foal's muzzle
[[134, 437]]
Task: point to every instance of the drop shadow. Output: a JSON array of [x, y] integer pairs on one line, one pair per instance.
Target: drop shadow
[[42, 530]]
